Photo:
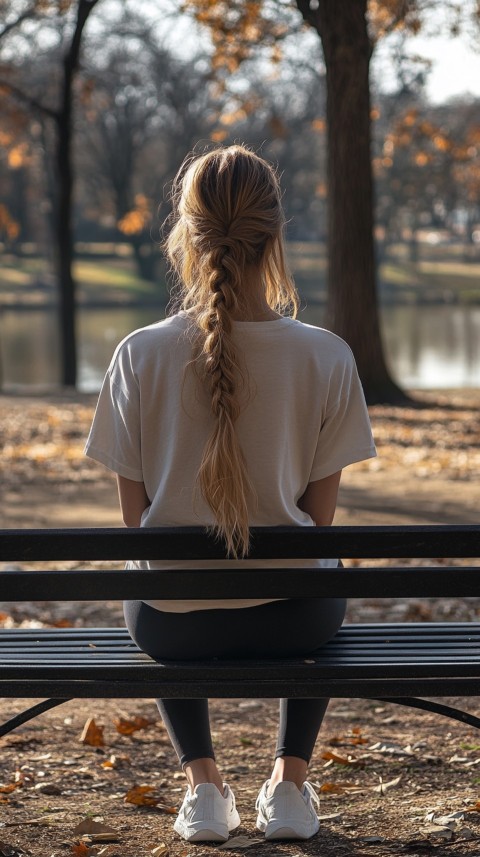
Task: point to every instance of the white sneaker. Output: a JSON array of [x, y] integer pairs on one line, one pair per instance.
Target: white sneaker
[[288, 813], [206, 816]]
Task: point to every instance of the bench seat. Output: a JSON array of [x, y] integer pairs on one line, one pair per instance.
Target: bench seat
[[368, 660]]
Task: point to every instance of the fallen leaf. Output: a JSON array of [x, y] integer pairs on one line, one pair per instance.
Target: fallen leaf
[[92, 734], [95, 831], [383, 787], [240, 843], [331, 817], [128, 727], [386, 747], [160, 851], [353, 739], [338, 788], [116, 761], [341, 760], [91, 827], [6, 790], [453, 818], [82, 850], [141, 796]]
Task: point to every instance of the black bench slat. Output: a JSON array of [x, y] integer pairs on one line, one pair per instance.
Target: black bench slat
[[92, 653], [267, 542], [143, 682], [385, 684], [389, 582], [235, 670], [357, 632], [334, 651]]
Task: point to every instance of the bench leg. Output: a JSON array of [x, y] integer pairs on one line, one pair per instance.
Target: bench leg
[[29, 714], [436, 707]]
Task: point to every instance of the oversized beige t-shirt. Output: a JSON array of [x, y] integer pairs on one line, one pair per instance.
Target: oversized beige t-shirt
[[304, 418]]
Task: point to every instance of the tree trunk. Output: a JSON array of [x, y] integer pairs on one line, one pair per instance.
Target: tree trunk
[[63, 218], [145, 257], [352, 304], [65, 245]]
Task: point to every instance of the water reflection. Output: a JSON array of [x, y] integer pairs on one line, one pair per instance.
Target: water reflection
[[426, 346], [433, 346]]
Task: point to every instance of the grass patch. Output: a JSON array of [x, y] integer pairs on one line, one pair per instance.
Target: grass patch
[[95, 278]]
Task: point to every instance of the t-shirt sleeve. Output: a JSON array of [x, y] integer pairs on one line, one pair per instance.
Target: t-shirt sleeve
[[345, 435], [115, 435]]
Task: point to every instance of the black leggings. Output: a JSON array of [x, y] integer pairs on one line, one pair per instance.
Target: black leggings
[[294, 627]]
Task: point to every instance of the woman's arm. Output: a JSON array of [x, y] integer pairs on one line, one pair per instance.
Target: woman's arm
[[133, 500], [320, 499]]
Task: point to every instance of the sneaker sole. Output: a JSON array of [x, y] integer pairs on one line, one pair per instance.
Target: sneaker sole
[[203, 834], [282, 830]]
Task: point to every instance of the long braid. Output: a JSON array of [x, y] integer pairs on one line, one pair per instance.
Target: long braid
[[223, 475], [227, 220]]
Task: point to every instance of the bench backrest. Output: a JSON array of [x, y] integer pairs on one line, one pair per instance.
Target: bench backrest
[[435, 543]]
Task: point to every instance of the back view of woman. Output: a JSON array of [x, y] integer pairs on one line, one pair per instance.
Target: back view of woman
[[231, 414]]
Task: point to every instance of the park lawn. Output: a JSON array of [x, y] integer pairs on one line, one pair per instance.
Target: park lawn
[[107, 278], [111, 279]]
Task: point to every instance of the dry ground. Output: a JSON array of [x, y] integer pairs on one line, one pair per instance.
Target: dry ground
[[395, 773]]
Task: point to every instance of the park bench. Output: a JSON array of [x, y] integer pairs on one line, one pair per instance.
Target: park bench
[[398, 662]]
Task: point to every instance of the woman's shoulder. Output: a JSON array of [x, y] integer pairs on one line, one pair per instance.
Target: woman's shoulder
[[320, 339], [158, 332]]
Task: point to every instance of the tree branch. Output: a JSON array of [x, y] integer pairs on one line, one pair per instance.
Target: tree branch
[[28, 101], [309, 15], [29, 13]]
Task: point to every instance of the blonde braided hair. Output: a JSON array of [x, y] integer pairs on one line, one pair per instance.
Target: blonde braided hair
[[227, 219]]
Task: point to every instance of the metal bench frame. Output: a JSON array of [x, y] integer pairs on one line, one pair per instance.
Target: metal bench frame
[[391, 662]]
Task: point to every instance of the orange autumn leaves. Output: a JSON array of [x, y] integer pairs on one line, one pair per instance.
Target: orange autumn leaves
[[92, 733], [18, 781], [93, 736], [145, 796]]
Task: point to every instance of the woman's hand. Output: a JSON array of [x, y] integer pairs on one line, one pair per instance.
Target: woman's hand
[[133, 500]]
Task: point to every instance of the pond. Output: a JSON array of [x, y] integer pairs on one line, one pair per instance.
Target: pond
[[427, 346]]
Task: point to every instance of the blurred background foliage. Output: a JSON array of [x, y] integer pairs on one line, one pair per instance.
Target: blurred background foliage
[[101, 100]]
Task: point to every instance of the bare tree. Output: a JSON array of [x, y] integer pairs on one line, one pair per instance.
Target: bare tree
[[61, 114]]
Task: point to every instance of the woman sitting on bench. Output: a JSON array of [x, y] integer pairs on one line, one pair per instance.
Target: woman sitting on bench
[[230, 413]]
